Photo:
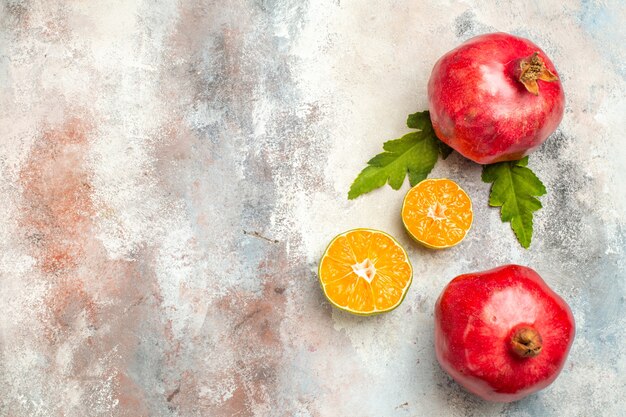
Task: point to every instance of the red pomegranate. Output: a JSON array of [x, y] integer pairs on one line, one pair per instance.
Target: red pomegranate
[[502, 334], [497, 97]]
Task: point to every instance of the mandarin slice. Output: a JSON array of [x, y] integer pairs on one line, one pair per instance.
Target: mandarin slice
[[437, 213], [365, 272]]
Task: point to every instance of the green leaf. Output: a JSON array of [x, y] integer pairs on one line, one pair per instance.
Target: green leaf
[[514, 188], [417, 121], [414, 153]]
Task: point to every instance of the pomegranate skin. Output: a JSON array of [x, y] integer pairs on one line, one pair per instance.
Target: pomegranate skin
[[480, 108], [476, 317]]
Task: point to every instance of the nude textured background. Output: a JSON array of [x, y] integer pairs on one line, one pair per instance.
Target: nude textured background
[[171, 172]]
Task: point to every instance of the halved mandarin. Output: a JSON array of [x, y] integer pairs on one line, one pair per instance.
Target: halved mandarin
[[365, 272], [437, 213]]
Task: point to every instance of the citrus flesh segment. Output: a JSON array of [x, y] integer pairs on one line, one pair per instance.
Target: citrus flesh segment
[[437, 213], [365, 271]]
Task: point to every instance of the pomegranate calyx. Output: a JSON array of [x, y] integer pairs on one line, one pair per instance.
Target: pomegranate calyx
[[533, 69], [526, 342]]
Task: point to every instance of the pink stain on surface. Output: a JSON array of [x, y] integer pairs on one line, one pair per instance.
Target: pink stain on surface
[[250, 340], [56, 189], [92, 302]]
